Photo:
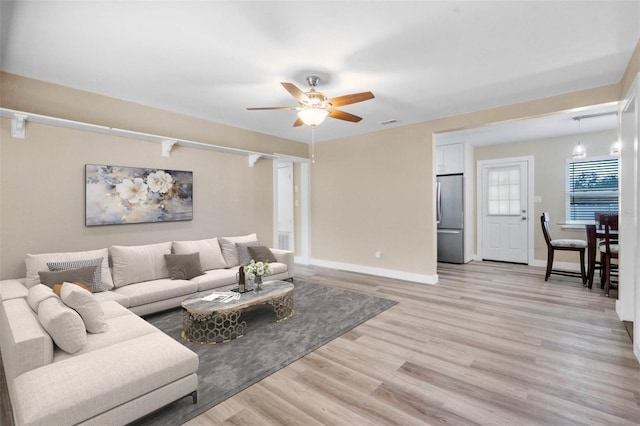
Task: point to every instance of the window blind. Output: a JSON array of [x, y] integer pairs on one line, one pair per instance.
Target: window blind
[[592, 187]]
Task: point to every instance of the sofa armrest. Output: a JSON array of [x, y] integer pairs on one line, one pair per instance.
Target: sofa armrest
[[286, 257], [13, 289], [25, 344]]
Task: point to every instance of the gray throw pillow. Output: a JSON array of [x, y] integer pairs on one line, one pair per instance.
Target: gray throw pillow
[[81, 275], [96, 282], [261, 254], [183, 266], [243, 252]]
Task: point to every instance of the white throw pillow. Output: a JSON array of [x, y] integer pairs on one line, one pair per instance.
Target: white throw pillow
[[210, 253], [38, 262], [84, 303], [134, 264], [229, 250], [63, 324], [37, 294]]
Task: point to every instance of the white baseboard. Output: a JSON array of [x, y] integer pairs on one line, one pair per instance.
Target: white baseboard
[[636, 350], [381, 272]]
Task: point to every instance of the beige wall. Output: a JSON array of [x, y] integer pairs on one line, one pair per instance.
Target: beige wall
[[42, 176], [633, 68], [375, 191], [550, 159]]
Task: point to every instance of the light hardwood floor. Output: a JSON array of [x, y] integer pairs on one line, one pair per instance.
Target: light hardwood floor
[[492, 343]]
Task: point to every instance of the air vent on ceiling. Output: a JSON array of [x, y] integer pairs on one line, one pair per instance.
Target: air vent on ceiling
[[386, 123]]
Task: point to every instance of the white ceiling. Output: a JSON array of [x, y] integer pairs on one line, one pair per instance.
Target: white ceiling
[[422, 59]]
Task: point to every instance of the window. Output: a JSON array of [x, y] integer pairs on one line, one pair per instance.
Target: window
[[504, 191], [592, 186]]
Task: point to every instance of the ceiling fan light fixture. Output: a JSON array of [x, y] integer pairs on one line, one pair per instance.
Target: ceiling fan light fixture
[[313, 116]]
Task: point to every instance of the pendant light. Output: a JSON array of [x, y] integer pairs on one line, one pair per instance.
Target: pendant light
[[579, 151]]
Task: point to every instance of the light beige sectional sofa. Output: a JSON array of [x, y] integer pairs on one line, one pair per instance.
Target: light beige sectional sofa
[[88, 358]]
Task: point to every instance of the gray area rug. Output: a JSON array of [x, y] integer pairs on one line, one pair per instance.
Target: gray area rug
[[321, 315]]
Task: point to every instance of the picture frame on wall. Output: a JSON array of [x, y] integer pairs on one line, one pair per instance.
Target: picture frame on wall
[[116, 195]]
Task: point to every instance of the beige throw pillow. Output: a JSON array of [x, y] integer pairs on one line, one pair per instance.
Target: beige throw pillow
[[37, 294], [64, 325], [84, 303]]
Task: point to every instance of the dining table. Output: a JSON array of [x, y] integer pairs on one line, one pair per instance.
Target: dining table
[[592, 248]]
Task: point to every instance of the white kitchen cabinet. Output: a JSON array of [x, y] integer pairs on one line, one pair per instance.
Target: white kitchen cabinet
[[450, 159]]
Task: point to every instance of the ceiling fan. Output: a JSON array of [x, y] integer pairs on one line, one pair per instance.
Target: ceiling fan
[[313, 106]]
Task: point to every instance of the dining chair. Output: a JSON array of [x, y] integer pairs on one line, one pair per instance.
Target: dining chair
[[609, 250], [593, 263], [563, 245]]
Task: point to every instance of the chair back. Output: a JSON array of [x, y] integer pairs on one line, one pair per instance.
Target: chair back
[[544, 221], [610, 222], [610, 217]]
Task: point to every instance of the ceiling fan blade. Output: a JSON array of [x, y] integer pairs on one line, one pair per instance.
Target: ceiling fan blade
[[351, 99], [341, 115], [298, 122], [295, 92], [262, 108]]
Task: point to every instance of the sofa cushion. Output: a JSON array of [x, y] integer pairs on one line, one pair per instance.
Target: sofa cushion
[[63, 324], [152, 291], [216, 278], [261, 254], [83, 302], [134, 264], [209, 249], [96, 282], [38, 262], [229, 250], [183, 266], [107, 296], [37, 294], [120, 329], [84, 276]]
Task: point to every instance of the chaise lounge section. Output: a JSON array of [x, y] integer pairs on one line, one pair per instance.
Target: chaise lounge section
[[63, 369]]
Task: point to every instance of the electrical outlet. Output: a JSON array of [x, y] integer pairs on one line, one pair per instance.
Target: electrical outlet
[[378, 254]]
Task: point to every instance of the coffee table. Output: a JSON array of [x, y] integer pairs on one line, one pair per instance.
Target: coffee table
[[210, 322]]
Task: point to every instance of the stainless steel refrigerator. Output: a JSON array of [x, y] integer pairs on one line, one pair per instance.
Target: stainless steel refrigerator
[[450, 218]]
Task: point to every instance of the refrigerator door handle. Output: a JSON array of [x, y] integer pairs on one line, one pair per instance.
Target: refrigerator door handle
[[449, 231], [438, 203]]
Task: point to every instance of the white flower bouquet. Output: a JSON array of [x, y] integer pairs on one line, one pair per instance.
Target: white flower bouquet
[[257, 270]]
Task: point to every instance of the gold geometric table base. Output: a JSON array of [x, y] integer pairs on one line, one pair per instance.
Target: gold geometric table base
[[216, 327]]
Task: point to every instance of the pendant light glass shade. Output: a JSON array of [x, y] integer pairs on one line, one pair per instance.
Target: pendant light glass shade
[[579, 150], [313, 116], [615, 148]]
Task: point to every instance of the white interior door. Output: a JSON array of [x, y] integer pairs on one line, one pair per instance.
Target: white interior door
[[505, 219], [285, 206]]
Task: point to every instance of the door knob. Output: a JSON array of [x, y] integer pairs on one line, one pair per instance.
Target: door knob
[[524, 218]]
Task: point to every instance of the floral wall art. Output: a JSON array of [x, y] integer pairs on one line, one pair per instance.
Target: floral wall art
[[120, 195]]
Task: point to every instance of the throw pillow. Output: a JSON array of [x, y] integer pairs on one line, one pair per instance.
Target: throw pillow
[[183, 266], [96, 283], [38, 262], [210, 254], [261, 254], [37, 294], [134, 264], [63, 324], [243, 252], [58, 287], [82, 275], [229, 250], [84, 303]]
